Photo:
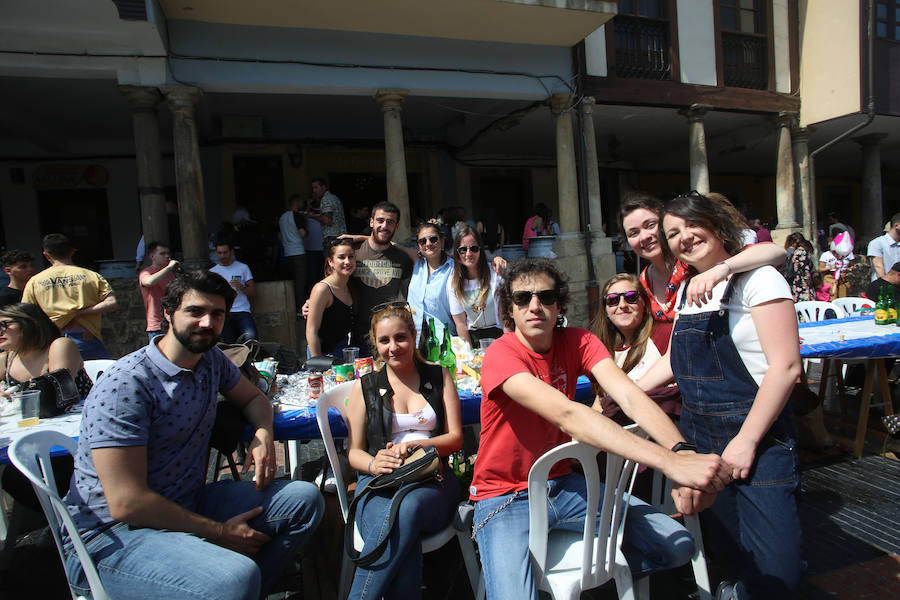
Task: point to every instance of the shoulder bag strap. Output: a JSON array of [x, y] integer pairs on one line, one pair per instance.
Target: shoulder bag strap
[[368, 559]]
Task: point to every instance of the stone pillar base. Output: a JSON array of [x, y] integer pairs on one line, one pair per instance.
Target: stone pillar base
[[603, 255], [569, 249]]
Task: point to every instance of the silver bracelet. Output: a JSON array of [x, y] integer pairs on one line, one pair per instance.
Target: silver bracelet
[[369, 468], [727, 266]]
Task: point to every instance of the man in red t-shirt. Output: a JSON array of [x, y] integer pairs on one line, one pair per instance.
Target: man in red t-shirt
[[154, 280], [528, 382]]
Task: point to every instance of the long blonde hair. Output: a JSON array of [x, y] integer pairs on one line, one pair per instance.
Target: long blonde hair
[[390, 312], [610, 335]]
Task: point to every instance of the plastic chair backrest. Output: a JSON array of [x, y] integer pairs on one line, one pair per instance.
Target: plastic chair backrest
[[598, 561], [335, 398], [809, 311], [31, 455], [851, 304], [96, 367]]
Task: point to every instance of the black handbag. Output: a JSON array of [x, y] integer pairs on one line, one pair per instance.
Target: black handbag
[[423, 464], [58, 392]]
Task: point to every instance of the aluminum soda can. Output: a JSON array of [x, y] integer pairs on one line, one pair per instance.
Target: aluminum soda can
[[315, 385], [363, 365]]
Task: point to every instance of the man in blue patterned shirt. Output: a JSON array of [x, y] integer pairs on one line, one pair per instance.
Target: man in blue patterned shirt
[[154, 529]]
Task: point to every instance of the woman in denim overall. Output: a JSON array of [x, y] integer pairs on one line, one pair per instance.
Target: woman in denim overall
[[753, 527]]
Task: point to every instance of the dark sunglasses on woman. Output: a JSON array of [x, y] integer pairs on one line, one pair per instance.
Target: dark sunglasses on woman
[[431, 238], [394, 304], [631, 297], [463, 249], [545, 297]]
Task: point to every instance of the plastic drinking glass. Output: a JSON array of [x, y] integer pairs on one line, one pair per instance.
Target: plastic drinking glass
[[484, 343], [30, 403]]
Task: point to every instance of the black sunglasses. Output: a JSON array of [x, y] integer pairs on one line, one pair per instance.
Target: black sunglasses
[[463, 249], [431, 238], [4, 325], [631, 297], [393, 304], [545, 297]]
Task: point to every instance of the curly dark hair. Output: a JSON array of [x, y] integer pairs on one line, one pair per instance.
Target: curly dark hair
[[205, 282], [14, 257], [529, 267]]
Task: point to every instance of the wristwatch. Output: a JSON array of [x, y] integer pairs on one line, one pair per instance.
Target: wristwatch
[[683, 446]]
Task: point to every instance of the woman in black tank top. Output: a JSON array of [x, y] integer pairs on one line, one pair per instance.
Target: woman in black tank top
[[331, 316]]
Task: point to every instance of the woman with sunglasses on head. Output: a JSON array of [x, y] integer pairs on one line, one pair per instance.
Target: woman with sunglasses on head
[[331, 318], [427, 294], [639, 218], [735, 361], [31, 345], [414, 403], [472, 290]]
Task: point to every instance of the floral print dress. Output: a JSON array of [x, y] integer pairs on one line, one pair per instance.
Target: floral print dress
[[801, 274]]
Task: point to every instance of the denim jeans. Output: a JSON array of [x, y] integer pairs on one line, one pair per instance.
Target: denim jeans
[[239, 326], [398, 572], [89, 346], [652, 542], [139, 562]]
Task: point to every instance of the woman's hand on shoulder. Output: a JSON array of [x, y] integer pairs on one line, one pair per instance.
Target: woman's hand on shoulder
[[700, 287]]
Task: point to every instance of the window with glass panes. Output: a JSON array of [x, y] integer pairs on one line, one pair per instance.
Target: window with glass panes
[[642, 39], [745, 43], [887, 19]]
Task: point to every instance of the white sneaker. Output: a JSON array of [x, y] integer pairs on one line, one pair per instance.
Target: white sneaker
[[330, 485]]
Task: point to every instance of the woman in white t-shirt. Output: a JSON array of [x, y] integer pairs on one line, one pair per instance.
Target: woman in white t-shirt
[[735, 360], [472, 290]]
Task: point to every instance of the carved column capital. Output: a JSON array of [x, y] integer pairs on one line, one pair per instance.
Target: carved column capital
[[871, 139], [182, 99], [587, 105], [800, 135], [695, 112], [785, 118], [141, 98], [391, 99], [560, 103]]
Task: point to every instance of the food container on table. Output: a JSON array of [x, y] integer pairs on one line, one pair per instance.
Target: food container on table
[[343, 373], [363, 365]]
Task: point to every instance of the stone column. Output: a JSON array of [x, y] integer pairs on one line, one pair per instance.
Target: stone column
[[601, 245], [391, 102], [595, 208], [697, 153], [800, 143], [566, 174], [188, 175], [143, 101], [872, 225], [784, 179]]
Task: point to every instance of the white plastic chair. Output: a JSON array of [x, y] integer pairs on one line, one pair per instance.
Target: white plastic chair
[[337, 398], [95, 368], [851, 304], [31, 455], [662, 501], [566, 563], [809, 311]]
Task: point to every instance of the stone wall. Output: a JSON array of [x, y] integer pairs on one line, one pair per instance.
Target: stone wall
[[125, 329]]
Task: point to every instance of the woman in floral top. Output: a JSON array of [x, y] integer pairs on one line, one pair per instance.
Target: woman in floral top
[[799, 271], [640, 221]]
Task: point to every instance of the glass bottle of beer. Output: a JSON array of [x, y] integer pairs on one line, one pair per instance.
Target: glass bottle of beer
[[891, 306], [434, 350], [881, 312], [448, 357]]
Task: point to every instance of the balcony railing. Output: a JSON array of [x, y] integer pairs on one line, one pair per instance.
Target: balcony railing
[[745, 60], [642, 48]]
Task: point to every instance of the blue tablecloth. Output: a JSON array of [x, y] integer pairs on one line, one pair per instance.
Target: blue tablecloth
[[300, 424], [862, 339]]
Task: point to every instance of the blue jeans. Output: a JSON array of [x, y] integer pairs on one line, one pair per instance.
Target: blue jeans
[[239, 326], [398, 572], [652, 540], [139, 562], [89, 346]]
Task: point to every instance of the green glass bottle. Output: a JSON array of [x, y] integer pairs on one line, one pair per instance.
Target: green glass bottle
[[881, 313], [448, 357], [434, 349], [891, 306]]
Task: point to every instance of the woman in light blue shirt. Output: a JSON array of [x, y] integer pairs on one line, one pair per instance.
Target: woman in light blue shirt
[[427, 295]]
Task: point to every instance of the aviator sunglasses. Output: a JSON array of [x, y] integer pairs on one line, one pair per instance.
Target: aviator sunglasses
[[545, 297], [631, 297], [431, 238], [463, 249]]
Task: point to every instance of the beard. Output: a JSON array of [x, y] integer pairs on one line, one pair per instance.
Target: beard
[[196, 346]]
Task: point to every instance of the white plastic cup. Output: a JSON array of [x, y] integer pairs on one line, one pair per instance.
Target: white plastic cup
[[351, 353], [483, 343], [30, 406]]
